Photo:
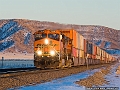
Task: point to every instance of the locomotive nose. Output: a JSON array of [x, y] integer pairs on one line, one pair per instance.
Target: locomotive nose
[[46, 41]]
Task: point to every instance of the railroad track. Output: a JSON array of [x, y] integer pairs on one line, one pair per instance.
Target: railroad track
[[32, 70], [40, 76], [15, 70]]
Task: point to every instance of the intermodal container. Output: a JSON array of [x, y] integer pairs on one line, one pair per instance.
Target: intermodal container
[[81, 54], [98, 51], [94, 56], [89, 48], [78, 43], [98, 57], [67, 32], [74, 38], [82, 58], [94, 52], [100, 54], [85, 46], [103, 55], [89, 56], [81, 42], [72, 34], [74, 52]]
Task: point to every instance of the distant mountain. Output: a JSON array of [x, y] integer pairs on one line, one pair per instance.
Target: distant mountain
[[16, 35]]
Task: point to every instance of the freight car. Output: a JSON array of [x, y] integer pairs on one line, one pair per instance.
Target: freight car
[[65, 48]]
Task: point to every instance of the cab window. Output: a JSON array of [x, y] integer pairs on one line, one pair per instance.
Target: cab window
[[54, 36], [40, 36]]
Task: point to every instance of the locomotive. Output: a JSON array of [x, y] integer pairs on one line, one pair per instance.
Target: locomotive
[[65, 48]]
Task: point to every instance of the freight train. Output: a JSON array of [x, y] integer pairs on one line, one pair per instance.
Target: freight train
[[66, 48]]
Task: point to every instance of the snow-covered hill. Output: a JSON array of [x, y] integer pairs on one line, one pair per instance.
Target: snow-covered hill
[[16, 35]]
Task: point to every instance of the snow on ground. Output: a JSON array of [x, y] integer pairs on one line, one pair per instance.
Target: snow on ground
[[65, 83], [16, 56], [16, 64], [113, 78], [68, 83]]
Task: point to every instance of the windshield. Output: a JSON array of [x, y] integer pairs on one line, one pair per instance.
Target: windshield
[[40, 36], [54, 36]]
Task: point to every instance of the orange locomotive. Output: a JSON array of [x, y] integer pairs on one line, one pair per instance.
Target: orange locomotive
[[51, 49]]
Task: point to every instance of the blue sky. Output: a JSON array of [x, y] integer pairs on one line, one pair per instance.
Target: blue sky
[[81, 12]]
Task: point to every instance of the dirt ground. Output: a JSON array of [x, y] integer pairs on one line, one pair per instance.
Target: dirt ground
[[36, 77], [97, 79]]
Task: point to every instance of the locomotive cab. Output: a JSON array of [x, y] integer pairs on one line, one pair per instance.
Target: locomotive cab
[[47, 48]]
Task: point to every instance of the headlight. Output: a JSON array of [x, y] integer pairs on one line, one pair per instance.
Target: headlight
[[46, 41], [39, 52], [52, 53]]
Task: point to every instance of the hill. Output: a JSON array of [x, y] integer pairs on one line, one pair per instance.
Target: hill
[[16, 35]]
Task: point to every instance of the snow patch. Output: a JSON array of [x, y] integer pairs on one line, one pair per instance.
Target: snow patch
[[27, 38], [66, 83], [6, 44], [113, 51], [8, 29], [107, 44], [98, 42], [7, 26], [114, 80]]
